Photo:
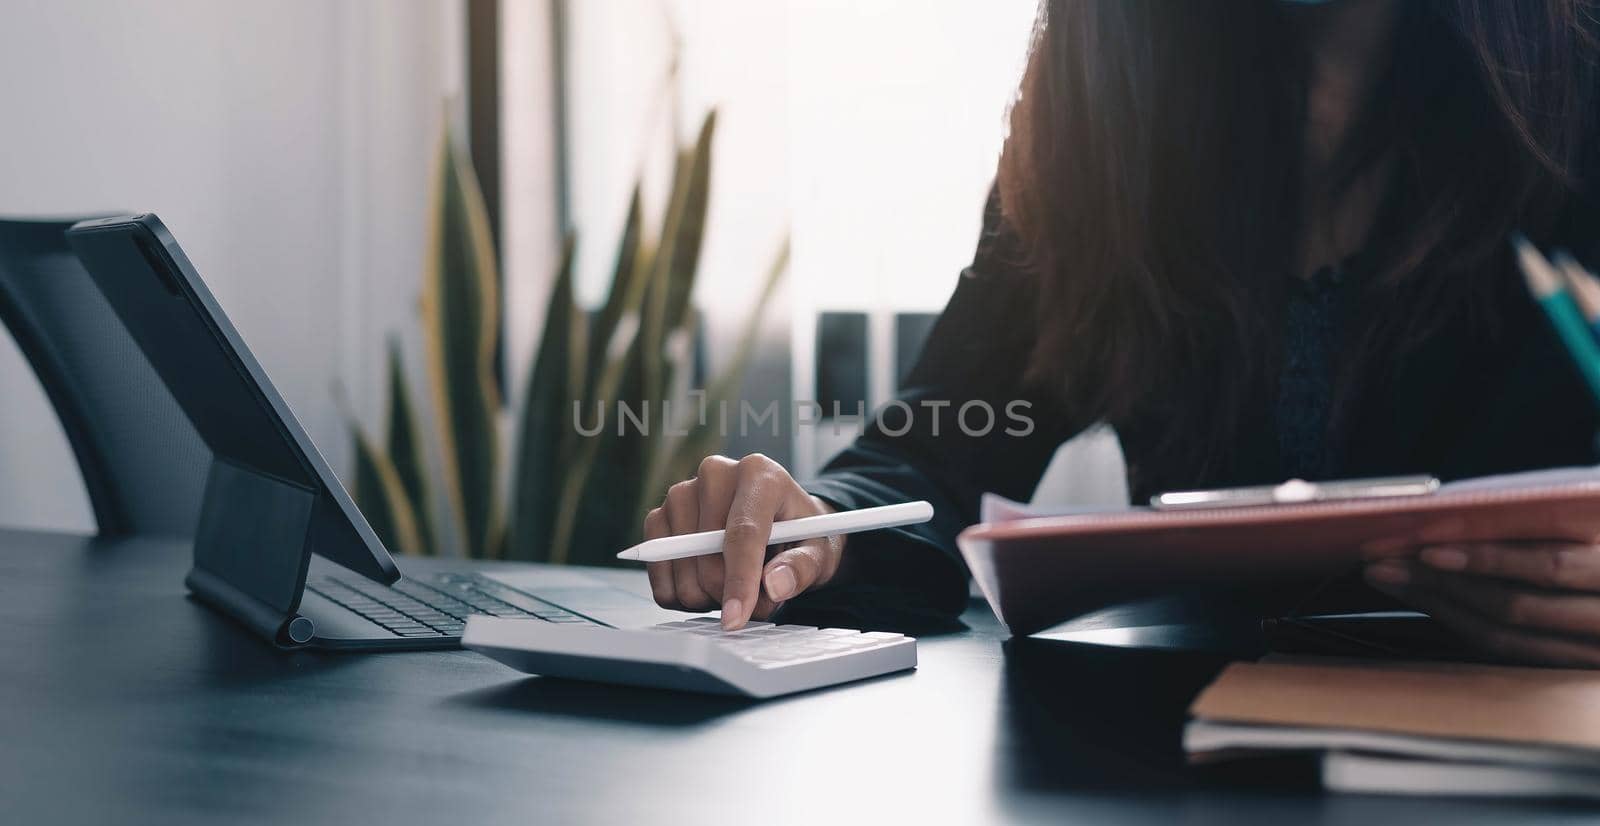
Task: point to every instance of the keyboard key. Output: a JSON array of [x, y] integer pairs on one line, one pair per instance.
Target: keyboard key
[[439, 605], [515, 598], [753, 659]]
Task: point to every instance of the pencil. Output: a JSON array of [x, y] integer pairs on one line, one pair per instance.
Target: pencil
[[705, 543], [1546, 285], [1585, 288]]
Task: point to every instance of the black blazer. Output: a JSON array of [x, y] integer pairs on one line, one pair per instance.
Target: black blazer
[[1465, 403]]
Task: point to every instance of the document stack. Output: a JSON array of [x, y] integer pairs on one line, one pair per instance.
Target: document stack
[[1420, 728]]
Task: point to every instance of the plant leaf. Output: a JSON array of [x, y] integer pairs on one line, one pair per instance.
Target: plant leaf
[[461, 323], [636, 373], [630, 266], [672, 285], [382, 498], [555, 380], [599, 457], [689, 233], [673, 276], [704, 439], [617, 377], [602, 471], [405, 446]]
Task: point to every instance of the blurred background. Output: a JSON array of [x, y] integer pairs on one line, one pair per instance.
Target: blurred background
[[293, 147]]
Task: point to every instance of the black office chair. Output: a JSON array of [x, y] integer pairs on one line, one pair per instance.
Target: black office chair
[[142, 461]]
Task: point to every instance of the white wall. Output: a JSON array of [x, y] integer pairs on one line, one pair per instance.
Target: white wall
[[287, 145], [869, 128], [733, 58]]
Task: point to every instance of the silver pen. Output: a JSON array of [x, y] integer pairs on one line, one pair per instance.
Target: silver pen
[[1296, 491]]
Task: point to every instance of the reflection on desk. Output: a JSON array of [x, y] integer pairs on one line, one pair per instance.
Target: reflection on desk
[[123, 701]]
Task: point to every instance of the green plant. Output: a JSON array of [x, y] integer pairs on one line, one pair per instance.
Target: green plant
[[572, 498]]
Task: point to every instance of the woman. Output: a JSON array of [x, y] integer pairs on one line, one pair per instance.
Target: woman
[[1262, 241]]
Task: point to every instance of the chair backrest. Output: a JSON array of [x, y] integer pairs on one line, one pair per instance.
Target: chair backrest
[[142, 461]]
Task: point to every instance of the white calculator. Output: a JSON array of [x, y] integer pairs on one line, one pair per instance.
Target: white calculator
[[758, 660]]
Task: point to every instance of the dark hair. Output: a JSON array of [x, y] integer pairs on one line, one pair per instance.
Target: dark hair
[[1150, 179]]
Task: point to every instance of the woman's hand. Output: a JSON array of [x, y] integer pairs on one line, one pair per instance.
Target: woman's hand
[[1539, 603], [744, 498]]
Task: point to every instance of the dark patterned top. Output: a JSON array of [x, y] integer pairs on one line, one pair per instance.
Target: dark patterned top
[[1314, 321], [1460, 403]]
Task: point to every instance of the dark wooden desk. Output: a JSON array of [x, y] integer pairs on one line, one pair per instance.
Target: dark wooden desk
[[122, 701]]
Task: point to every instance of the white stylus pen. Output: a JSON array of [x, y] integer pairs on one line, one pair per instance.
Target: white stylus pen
[[791, 530]]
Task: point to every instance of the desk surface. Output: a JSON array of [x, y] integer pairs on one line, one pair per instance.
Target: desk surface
[[122, 701]]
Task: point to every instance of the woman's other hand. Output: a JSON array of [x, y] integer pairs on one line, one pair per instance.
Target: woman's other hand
[[744, 498], [1535, 602]]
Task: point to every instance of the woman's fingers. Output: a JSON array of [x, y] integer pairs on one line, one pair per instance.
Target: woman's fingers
[[1511, 603], [1502, 617], [797, 569], [714, 483], [742, 498], [683, 516], [1504, 640], [1563, 566], [660, 573], [758, 496]]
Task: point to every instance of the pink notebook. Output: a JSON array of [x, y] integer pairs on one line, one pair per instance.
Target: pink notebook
[[1041, 570]]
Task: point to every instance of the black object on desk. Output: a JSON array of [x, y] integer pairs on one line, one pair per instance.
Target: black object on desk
[[270, 500], [143, 464], [123, 702]]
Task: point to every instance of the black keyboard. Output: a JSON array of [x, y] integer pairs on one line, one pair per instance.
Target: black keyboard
[[436, 607]]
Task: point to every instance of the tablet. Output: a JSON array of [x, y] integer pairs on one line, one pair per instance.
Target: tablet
[[1038, 571], [271, 499]]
